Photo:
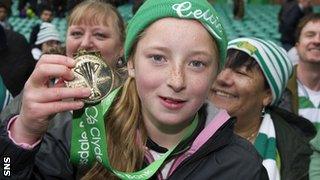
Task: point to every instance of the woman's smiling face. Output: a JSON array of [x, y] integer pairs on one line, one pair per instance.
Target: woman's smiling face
[[241, 90]]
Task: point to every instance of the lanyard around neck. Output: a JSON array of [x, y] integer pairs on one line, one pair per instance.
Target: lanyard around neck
[[89, 140]]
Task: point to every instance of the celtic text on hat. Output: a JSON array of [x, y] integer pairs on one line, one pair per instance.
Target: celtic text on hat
[[184, 10]]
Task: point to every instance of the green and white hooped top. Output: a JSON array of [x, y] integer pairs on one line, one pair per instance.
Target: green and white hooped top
[[309, 104]]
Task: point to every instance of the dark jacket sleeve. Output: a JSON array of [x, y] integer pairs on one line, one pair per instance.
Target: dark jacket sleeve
[[301, 125], [11, 109], [16, 63], [3, 38], [21, 160], [237, 160], [50, 160], [293, 134]]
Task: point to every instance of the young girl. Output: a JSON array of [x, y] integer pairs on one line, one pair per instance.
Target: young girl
[[159, 120]]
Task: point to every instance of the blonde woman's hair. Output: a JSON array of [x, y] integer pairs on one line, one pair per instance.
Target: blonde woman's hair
[[94, 12]]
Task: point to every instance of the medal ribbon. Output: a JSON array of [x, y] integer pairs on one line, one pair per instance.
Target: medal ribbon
[[89, 140]]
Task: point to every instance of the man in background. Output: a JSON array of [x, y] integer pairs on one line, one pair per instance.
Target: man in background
[[289, 16], [4, 14], [303, 97]]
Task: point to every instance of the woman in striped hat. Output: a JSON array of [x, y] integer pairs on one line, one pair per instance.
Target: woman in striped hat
[[252, 81]]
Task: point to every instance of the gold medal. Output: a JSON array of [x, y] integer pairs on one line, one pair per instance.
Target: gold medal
[[91, 71]]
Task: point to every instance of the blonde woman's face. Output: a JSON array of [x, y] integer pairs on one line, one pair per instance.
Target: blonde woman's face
[[97, 37], [174, 67]]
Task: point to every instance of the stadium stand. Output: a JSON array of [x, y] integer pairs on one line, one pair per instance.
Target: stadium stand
[[260, 20]]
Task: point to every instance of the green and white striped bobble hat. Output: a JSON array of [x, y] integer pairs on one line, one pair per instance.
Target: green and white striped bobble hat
[[272, 59]]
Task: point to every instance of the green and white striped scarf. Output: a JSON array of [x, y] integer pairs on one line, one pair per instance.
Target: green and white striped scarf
[[265, 144]]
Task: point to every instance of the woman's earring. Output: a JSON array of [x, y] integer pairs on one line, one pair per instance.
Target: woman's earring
[[263, 112], [120, 62]]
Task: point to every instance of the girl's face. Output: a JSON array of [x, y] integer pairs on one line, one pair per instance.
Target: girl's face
[[175, 64], [95, 38]]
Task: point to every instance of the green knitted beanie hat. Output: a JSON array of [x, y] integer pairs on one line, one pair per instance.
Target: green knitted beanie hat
[[153, 10]]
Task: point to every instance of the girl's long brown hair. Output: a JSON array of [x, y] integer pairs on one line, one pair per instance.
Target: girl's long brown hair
[[125, 144]]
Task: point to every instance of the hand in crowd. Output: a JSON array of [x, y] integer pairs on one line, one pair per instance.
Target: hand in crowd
[[40, 101]]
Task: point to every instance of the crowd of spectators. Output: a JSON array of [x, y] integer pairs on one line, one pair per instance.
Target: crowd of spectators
[[278, 84]]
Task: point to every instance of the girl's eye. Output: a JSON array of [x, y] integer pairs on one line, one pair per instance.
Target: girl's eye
[[157, 58], [197, 64]]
